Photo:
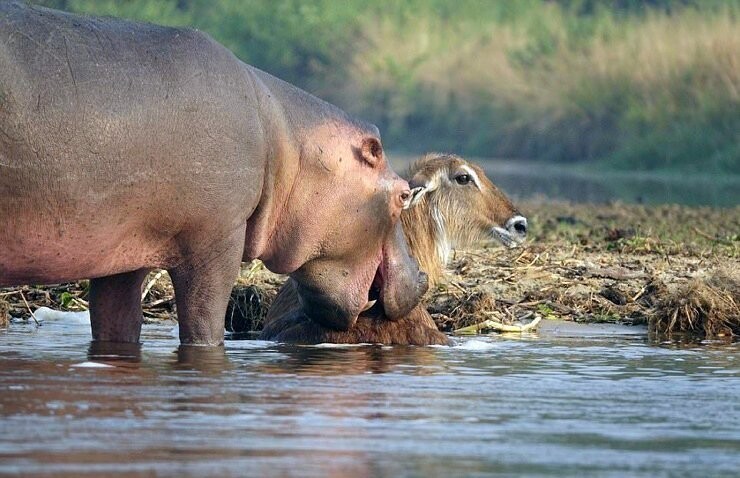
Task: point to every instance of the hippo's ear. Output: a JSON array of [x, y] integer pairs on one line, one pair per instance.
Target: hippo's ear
[[371, 151]]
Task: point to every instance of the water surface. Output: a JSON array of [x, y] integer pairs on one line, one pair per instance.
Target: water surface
[[526, 179], [599, 401]]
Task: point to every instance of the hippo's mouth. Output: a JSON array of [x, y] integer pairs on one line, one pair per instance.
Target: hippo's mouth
[[383, 301], [392, 291], [398, 284], [374, 305]]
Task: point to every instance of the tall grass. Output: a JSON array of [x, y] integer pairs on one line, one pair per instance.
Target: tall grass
[[650, 92], [630, 84]]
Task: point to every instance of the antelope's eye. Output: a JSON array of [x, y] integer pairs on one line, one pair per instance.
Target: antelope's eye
[[462, 179]]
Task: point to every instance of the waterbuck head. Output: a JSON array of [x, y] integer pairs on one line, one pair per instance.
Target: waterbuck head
[[454, 204]]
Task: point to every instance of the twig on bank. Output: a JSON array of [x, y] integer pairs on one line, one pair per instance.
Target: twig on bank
[[151, 283], [33, 316], [710, 237], [639, 294]]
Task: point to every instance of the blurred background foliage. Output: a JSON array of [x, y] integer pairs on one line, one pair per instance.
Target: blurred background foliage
[[623, 84]]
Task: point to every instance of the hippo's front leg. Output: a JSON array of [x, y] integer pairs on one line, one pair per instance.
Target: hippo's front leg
[[203, 283], [115, 307]]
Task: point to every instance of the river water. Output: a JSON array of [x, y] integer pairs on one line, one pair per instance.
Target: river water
[[572, 400], [526, 179]]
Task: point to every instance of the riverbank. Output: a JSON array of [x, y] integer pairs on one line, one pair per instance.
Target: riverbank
[[674, 268]]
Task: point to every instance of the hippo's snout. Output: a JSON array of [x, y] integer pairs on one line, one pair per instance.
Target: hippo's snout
[[402, 282], [399, 305]]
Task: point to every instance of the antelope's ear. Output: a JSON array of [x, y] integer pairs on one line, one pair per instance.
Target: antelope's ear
[[422, 179], [422, 184], [416, 194]]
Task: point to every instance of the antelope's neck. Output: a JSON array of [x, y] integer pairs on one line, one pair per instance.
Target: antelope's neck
[[423, 238]]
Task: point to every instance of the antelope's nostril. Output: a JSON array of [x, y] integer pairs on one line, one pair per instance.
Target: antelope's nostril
[[519, 225]]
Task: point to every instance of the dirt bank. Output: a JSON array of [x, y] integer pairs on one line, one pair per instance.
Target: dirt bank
[[674, 268]]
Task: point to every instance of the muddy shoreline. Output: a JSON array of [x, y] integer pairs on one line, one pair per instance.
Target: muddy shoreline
[[673, 268]]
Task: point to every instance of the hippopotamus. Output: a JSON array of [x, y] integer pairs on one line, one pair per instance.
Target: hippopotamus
[[128, 146], [453, 204]]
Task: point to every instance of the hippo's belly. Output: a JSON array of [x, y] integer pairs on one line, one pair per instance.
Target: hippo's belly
[[60, 224], [34, 261], [42, 242]]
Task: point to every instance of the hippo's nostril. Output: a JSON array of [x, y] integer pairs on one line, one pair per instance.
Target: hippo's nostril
[[405, 199]]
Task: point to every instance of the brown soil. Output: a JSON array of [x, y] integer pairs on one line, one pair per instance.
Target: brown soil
[[674, 268]]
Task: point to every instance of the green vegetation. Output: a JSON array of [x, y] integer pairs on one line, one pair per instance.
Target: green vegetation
[[629, 84]]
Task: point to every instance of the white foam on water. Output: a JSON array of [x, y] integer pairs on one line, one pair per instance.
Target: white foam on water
[[327, 345], [444, 347], [248, 344], [91, 365], [475, 345], [43, 314]]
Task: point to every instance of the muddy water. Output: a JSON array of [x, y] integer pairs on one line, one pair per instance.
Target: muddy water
[[593, 401]]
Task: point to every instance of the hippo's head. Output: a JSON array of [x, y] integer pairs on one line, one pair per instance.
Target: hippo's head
[[339, 234]]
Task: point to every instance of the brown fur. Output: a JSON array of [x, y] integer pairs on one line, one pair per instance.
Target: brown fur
[[468, 213], [285, 324]]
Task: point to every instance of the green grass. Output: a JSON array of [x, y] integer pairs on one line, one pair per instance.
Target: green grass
[[627, 84]]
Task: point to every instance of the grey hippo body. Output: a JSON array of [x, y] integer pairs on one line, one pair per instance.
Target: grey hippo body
[[126, 147]]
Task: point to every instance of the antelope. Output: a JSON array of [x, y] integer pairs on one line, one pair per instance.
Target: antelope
[[452, 205]]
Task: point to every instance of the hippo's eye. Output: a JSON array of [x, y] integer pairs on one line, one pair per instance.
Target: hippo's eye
[[462, 179]]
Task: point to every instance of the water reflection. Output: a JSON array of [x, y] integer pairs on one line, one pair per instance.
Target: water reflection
[[114, 352], [351, 360], [208, 360], [562, 403]]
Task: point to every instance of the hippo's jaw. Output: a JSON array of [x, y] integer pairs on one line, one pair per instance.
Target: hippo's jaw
[[392, 285], [334, 309], [393, 308]]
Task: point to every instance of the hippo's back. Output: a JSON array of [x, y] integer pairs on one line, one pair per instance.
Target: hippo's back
[[116, 136], [54, 62]]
